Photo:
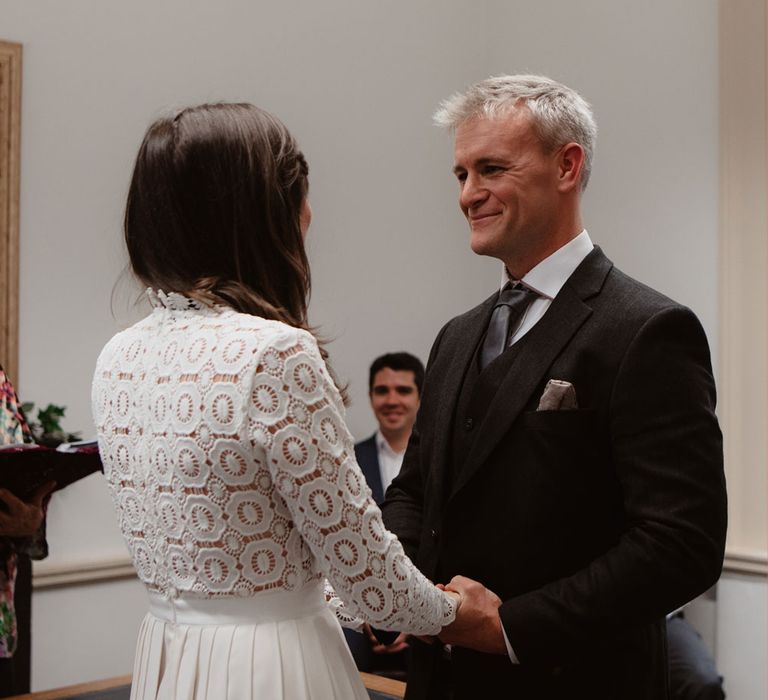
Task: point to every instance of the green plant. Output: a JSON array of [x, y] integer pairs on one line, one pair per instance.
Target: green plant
[[47, 430]]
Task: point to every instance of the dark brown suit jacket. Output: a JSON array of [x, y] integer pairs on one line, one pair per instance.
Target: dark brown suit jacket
[[590, 524]]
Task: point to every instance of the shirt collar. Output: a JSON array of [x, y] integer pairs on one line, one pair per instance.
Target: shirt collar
[[548, 277], [383, 445]]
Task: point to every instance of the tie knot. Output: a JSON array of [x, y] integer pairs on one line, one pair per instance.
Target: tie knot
[[510, 307], [514, 294]]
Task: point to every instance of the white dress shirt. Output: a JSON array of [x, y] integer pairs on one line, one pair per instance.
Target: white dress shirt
[[546, 279], [389, 460]]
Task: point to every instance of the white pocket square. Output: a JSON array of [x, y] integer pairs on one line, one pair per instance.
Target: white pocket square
[[558, 395]]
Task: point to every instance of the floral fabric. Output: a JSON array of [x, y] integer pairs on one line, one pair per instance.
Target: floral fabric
[[8, 631], [13, 429]]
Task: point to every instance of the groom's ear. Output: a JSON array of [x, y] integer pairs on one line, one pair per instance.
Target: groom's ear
[[570, 162]]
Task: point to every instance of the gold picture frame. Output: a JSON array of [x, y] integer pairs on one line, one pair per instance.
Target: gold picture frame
[[10, 169]]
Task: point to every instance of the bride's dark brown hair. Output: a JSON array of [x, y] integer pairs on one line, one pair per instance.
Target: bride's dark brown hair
[[214, 210]]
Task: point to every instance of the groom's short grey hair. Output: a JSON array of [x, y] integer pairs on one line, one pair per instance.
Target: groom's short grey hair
[[560, 115]]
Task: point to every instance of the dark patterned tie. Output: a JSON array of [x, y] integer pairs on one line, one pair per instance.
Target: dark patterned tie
[[509, 309]]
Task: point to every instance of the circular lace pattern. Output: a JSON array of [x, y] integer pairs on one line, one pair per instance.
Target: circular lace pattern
[[232, 471]]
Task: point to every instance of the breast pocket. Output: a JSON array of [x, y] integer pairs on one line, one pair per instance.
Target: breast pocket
[[575, 424], [564, 447], [560, 465]]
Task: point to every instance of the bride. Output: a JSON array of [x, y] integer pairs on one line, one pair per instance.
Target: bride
[[222, 433]]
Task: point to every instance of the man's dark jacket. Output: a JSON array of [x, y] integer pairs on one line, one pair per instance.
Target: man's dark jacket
[[367, 455], [590, 524]]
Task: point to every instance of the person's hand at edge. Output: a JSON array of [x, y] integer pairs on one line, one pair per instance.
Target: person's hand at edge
[[23, 518], [399, 643]]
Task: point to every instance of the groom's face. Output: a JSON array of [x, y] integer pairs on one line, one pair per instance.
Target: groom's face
[[508, 185]]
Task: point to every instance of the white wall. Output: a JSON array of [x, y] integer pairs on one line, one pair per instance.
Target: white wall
[[357, 83], [742, 636], [87, 632], [650, 72]]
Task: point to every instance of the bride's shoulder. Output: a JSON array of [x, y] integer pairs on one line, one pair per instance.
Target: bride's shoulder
[[128, 341], [268, 335], [289, 339]]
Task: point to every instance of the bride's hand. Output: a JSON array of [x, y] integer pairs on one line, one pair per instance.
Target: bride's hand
[[455, 595]]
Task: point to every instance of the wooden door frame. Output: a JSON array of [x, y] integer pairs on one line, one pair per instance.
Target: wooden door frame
[[10, 171]]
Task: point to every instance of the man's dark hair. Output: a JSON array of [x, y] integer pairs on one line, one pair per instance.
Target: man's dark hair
[[399, 362]]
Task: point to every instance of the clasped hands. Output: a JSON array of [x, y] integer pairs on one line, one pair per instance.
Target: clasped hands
[[477, 625]]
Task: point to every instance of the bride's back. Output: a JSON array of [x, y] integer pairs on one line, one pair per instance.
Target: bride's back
[[176, 403]]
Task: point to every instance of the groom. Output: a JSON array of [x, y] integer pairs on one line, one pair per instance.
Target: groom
[[566, 453]]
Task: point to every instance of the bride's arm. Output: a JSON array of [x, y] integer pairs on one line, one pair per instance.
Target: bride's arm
[[343, 615], [311, 457]]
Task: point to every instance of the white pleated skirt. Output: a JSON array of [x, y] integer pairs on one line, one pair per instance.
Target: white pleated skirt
[[278, 645]]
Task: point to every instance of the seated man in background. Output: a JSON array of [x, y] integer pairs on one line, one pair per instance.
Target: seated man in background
[[394, 388], [692, 671]]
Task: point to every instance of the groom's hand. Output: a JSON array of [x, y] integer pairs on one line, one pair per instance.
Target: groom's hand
[[477, 624]]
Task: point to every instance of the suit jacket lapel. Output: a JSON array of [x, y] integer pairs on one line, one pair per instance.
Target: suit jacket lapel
[[547, 340], [454, 363]]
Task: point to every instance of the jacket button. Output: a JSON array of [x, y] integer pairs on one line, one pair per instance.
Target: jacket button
[[433, 532], [469, 424]]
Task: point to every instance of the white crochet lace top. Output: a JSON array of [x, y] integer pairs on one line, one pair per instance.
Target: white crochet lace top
[[233, 472]]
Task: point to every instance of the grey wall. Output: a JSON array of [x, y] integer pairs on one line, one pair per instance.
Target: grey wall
[[357, 83], [650, 72]]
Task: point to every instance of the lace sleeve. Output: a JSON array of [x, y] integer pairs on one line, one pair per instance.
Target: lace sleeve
[[296, 416], [336, 604]]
